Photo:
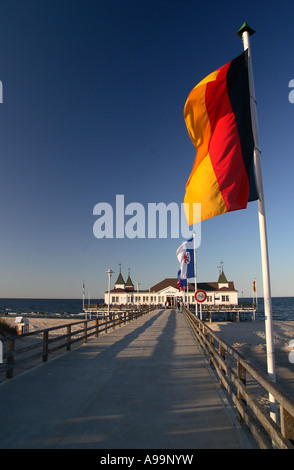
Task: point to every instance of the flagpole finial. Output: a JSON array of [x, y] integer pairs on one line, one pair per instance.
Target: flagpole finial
[[245, 27]]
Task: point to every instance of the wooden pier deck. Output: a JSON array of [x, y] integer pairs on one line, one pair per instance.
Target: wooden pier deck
[[143, 386]]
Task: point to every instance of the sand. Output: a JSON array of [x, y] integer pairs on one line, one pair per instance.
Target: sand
[[249, 339], [35, 325]]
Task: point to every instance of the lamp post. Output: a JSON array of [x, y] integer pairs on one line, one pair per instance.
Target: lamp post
[[109, 272]]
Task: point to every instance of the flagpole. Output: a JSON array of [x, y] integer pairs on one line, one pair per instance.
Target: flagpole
[[83, 295], [195, 272], [245, 32]]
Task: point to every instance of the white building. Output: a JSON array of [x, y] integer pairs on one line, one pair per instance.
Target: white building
[[221, 292]]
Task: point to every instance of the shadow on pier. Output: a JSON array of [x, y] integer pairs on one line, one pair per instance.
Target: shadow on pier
[[145, 385]]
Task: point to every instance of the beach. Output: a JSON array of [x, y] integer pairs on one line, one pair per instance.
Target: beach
[[37, 325], [249, 339]]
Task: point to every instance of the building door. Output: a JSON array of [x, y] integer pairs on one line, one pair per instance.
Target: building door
[[171, 301]]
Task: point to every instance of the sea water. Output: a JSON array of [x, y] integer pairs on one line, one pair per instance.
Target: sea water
[[44, 307], [282, 307]]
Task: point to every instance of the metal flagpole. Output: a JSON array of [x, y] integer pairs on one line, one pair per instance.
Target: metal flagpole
[[195, 272], [83, 295], [245, 32], [109, 272]]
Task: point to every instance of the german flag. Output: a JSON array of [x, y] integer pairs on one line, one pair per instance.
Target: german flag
[[218, 119]]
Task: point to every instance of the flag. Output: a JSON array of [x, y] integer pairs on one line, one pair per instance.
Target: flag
[[254, 286], [181, 282], [185, 255], [218, 119]]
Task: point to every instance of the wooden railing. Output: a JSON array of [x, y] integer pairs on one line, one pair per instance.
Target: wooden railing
[[41, 342], [235, 373]]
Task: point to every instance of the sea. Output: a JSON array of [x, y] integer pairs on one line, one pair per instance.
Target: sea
[[45, 307], [282, 307]]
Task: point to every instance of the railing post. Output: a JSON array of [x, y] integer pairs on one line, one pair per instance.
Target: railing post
[[211, 340], [97, 327], [85, 332], [287, 424], [10, 359], [202, 329], [113, 321], [68, 338], [242, 377], [222, 353], [45, 345]]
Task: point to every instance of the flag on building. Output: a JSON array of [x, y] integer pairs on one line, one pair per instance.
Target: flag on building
[[185, 255], [218, 119]]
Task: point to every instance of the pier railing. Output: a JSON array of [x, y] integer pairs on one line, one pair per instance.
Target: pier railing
[[248, 389], [24, 351]]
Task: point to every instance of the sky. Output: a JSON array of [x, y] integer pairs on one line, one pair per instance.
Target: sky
[[93, 98]]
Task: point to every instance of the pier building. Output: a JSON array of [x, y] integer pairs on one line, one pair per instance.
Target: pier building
[[221, 292]]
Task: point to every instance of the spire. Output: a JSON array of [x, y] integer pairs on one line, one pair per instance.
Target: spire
[[222, 278], [120, 280], [129, 283]]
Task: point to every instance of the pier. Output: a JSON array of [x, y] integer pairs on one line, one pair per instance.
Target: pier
[[145, 385]]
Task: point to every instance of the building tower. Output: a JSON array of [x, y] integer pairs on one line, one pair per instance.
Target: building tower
[[120, 283], [129, 283]]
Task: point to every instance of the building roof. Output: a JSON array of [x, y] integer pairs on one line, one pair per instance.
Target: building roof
[[116, 289], [120, 279], [207, 286], [213, 286], [222, 278], [126, 290], [168, 282], [173, 282], [129, 283]]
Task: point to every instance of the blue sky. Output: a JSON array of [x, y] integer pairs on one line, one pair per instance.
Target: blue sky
[[93, 97]]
